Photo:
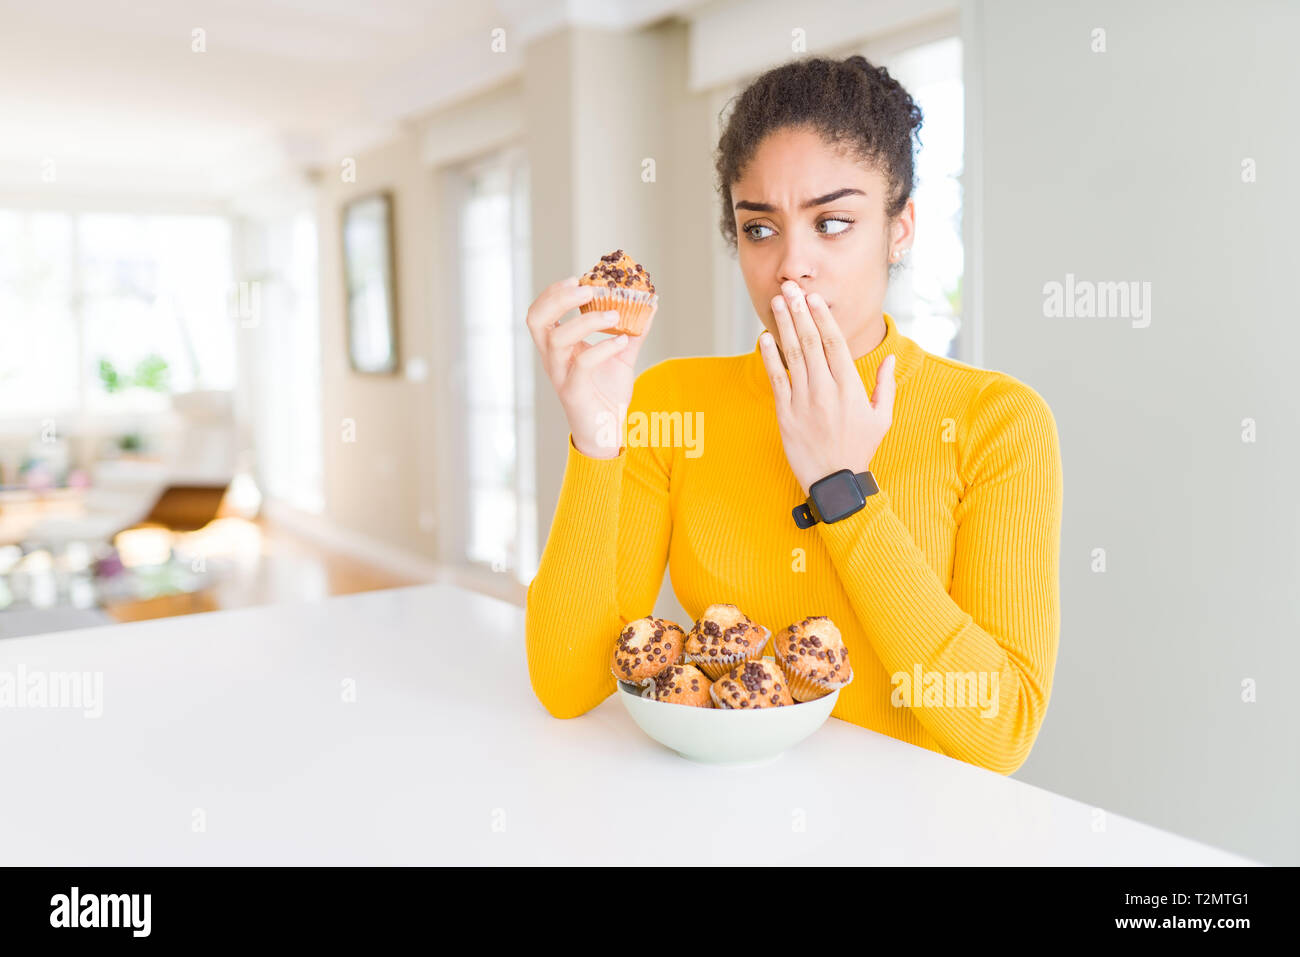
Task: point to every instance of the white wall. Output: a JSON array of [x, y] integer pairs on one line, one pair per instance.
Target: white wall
[[1126, 166], [596, 198]]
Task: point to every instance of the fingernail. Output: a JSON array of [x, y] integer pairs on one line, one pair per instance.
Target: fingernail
[[779, 305]]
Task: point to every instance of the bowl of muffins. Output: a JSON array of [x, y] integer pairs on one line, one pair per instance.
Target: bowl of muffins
[[714, 695]]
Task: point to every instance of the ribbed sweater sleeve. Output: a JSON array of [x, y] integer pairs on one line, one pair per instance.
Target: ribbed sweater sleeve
[[1002, 613], [603, 563]]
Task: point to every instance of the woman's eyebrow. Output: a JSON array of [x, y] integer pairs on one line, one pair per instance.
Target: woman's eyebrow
[[815, 201]]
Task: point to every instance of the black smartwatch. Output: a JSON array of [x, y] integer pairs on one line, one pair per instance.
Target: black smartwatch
[[834, 497]]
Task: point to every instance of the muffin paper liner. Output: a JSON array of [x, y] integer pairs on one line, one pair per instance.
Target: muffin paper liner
[[633, 306], [807, 689], [714, 667]]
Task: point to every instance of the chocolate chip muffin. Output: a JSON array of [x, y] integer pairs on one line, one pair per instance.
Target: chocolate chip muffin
[[680, 684], [754, 684], [724, 637], [622, 285], [646, 647], [618, 269], [811, 652]]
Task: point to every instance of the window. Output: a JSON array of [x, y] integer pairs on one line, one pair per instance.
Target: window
[[280, 319], [925, 295], [39, 370], [497, 527], [142, 296]]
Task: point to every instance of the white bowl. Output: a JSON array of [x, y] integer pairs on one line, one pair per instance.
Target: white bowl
[[724, 736]]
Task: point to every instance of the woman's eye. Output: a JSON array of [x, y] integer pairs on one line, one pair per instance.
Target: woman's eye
[[844, 223]]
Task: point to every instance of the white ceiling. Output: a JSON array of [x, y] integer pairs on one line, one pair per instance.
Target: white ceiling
[[109, 95]]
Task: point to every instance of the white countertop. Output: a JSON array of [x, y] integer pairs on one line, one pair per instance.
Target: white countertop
[[446, 757]]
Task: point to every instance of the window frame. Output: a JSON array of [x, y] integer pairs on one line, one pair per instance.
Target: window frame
[[453, 402]]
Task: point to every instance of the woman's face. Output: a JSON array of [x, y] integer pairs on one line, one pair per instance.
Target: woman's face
[[839, 246]]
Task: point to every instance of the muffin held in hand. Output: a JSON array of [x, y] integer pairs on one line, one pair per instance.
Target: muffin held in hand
[[680, 684], [754, 684], [622, 285], [723, 638], [646, 647], [812, 655]]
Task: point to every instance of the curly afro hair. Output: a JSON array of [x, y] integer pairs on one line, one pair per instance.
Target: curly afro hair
[[853, 106]]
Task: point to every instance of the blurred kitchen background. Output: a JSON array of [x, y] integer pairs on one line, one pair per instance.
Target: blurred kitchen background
[[264, 266], [189, 418]]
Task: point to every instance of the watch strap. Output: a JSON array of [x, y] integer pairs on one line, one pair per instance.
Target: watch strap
[[803, 514]]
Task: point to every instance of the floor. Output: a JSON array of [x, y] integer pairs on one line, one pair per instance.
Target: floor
[[282, 568], [252, 562]]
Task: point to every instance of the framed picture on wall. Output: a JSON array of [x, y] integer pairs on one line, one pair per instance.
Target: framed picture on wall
[[370, 285]]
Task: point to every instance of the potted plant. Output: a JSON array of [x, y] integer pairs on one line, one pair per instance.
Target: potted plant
[[151, 373]]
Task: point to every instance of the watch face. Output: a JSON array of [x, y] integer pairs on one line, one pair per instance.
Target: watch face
[[837, 496]]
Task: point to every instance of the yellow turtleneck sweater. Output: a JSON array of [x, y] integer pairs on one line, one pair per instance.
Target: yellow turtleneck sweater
[[944, 586]]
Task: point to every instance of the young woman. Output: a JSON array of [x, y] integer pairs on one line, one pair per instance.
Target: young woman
[[945, 584]]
